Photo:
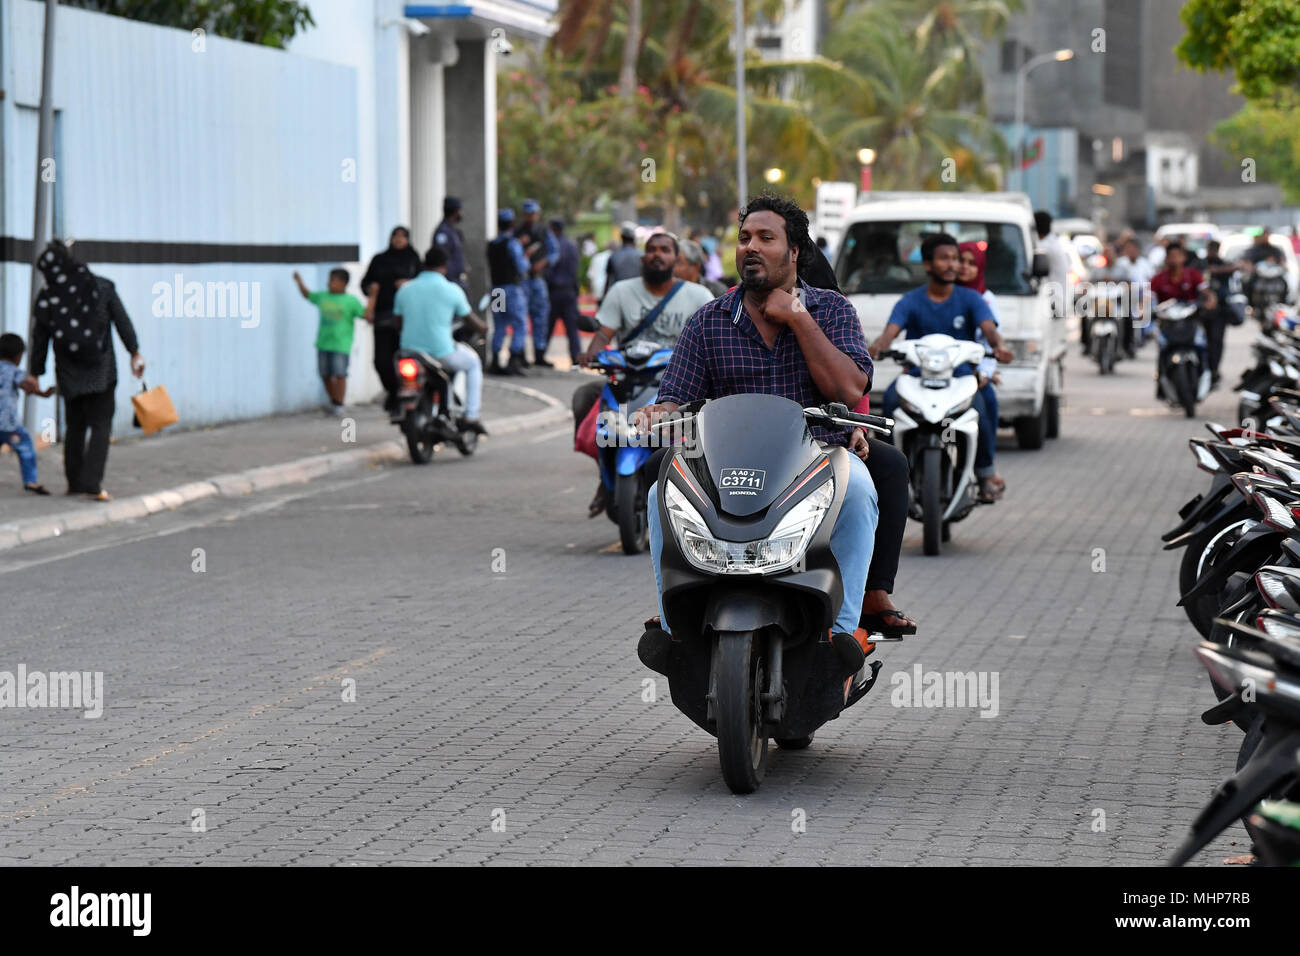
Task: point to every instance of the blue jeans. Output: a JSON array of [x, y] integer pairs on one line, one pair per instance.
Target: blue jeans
[[986, 407], [21, 443], [539, 312], [852, 542], [465, 359], [513, 306]]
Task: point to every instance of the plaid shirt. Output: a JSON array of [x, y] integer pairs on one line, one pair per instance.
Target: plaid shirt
[[721, 352]]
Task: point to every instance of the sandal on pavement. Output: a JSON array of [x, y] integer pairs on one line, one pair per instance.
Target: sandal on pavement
[[100, 495], [37, 489]]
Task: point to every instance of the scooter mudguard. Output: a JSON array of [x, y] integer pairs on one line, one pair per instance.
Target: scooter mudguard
[[629, 460], [1201, 519], [1253, 548]]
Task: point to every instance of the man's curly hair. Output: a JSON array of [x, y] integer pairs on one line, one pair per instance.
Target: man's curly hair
[[796, 224]]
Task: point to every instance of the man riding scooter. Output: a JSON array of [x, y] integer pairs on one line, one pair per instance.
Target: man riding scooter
[[626, 307], [776, 335], [944, 308]]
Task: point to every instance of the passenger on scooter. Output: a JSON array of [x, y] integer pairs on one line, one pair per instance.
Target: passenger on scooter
[[972, 277], [626, 304], [428, 305], [889, 472], [777, 335], [941, 307]]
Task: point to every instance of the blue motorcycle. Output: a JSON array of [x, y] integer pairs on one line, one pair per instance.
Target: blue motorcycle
[[634, 374]]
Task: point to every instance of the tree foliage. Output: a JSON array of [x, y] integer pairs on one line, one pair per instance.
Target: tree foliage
[[265, 22], [1258, 41], [899, 76]]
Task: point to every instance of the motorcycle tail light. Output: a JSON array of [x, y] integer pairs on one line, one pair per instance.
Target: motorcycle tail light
[[408, 368], [1204, 460], [1276, 515]]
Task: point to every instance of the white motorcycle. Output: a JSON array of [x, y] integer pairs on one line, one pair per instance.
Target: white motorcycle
[[937, 428]]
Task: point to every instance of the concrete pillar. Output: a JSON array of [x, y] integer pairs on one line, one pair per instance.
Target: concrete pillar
[[428, 142], [471, 152]]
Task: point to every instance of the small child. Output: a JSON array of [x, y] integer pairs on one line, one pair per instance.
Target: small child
[[12, 433], [338, 311]]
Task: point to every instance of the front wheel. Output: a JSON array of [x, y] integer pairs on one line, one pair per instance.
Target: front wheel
[[1106, 355], [1185, 387], [742, 738], [630, 504], [931, 500]]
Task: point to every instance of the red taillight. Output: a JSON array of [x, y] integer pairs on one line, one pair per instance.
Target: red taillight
[[408, 368]]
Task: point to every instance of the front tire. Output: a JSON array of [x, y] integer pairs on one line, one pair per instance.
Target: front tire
[[742, 737], [1185, 387], [630, 505], [931, 501]]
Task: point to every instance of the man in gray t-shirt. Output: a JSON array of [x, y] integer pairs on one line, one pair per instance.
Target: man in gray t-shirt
[[626, 303]]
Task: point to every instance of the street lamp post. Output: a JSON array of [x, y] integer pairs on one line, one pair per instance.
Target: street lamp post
[[866, 157], [1059, 56], [742, 172]]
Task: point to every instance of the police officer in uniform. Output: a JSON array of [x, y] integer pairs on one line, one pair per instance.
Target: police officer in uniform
[[508, 268], [542, 251], [449, 238]]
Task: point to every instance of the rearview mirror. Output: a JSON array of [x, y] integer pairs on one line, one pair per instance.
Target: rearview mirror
[[1041, 267]]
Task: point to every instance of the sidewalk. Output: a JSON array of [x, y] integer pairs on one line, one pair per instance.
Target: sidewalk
[[172, 468]]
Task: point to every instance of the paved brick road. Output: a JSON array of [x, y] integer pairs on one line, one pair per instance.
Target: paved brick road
[[519, 692]]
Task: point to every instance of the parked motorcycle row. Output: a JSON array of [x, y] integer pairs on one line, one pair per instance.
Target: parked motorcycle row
[[1240, 585]]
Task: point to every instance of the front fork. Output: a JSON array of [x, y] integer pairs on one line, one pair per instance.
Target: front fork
[[773, 696]]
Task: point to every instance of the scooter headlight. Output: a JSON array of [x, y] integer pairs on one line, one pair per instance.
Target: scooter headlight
[[781, 549]]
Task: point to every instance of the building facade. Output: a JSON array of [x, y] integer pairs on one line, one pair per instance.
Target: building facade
[[199, 173]]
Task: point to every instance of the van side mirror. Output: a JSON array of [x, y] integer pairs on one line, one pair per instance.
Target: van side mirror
[[1041, 267]]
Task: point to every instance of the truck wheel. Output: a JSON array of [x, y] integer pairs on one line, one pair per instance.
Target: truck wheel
[[1032, 431]]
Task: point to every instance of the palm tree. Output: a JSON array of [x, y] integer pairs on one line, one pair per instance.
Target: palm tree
[[895, 95], [962, 25]]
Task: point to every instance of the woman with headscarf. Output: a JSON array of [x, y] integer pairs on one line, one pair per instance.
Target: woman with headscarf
[[888, 468], [390, 270], [77, 310], [970, 273]]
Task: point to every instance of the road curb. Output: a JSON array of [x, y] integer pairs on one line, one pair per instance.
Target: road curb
[[237, 484]]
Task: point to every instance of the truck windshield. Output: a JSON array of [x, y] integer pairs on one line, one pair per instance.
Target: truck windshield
[[884, 257]]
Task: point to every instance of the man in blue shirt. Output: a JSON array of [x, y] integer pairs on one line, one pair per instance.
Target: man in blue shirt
[[428, 304], [543, 253], [944, 308]]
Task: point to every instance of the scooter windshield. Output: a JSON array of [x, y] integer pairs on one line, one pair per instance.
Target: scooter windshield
[[754, 447]]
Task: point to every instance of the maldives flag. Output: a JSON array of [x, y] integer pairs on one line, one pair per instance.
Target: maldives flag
[[1033, 152]]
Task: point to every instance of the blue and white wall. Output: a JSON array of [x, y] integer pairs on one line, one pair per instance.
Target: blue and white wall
[[180, 155]]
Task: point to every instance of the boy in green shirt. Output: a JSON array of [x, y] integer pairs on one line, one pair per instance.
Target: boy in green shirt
[[338, 311]]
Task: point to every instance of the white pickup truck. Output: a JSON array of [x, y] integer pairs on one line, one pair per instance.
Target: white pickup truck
[[879, 259]]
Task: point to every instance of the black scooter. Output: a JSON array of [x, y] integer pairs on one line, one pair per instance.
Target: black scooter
[[750, 586], [431, 402]]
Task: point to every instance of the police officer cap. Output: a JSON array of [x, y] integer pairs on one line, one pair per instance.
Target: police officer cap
[[530, 206], [450, 204], [506, 216]]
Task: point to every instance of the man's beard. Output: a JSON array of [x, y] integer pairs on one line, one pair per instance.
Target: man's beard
[[656, 276]]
